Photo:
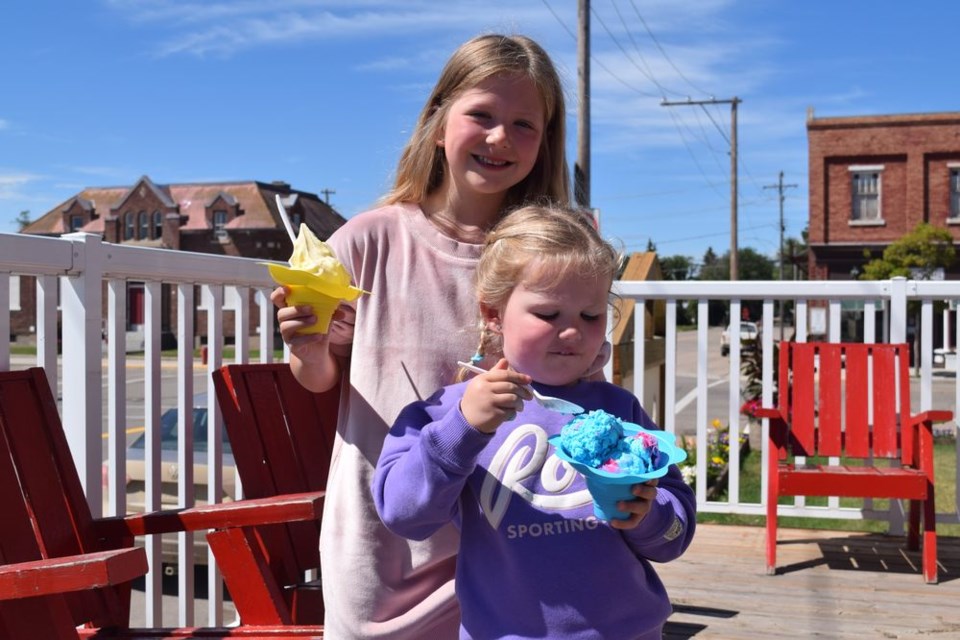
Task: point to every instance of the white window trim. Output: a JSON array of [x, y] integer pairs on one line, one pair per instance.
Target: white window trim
[[952, 167], [879, 221]]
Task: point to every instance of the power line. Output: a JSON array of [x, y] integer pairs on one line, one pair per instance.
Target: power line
[[733, 102], [597, 60], [645, 70], [693, 156], [662, 51], [780, 187]]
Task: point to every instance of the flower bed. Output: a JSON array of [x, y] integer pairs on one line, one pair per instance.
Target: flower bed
[[718, 458]]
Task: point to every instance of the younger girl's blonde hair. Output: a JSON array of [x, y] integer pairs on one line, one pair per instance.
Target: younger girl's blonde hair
[[422, 164], [540, 246]]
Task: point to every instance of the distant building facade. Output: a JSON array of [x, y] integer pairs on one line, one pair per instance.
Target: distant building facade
[[872, 180], [224, 218]]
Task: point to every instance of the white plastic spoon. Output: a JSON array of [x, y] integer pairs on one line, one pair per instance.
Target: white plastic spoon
[[286, 220], [548, 402]]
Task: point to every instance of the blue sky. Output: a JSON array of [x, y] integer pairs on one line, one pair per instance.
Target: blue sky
[[322, 94]]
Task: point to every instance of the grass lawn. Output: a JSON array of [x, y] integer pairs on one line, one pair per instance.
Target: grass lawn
[[228, 352], [944, 472]]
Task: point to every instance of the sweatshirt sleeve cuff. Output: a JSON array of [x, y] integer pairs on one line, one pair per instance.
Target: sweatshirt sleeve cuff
[[661, 524], [454, 443]]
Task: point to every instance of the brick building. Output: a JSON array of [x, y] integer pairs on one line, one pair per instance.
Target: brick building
[[225, 218], [873, 179]]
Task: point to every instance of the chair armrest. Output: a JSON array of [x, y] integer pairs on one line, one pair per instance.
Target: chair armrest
[[294, 507], [778, 434], [766, 412], [71, 573], [932, 416]]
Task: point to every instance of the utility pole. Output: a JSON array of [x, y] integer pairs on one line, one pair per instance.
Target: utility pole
[[581, 169], [780, 187], [326, 194], [733, 102]]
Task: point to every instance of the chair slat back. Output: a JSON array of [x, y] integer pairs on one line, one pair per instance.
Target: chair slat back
[[857, 435], [46, 514], [845, 399], [44, 465], [282, 439]]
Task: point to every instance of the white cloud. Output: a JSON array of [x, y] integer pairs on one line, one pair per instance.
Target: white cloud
[[222, 29], [12, 184]]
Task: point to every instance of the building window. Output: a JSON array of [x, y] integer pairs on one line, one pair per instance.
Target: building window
[[144, 231], [955, 193], [220, 223], [128, 226], [157, 224], [866, 189], [76, 222]]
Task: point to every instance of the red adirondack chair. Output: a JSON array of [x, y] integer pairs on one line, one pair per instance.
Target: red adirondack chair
[[282, 439], [63, 569], [851, 401]]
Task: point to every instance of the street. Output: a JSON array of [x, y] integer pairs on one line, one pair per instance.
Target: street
[[943, 389]]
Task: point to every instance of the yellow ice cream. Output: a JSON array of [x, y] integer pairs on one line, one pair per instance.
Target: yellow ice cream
[[314, 256], [315, 277]]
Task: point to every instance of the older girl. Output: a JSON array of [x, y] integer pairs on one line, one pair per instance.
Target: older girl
[[490, 137]]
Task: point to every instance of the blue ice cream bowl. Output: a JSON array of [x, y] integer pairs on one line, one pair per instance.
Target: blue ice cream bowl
[[609, 487]]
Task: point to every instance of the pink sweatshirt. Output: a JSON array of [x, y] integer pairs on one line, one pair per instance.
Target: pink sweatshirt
[[418, 320]]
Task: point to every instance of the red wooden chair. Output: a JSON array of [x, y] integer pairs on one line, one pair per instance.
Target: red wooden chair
[[282, 439], [60, 568], [851, 401]]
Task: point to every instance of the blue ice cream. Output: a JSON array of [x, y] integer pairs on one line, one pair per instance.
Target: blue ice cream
[[592, 438]]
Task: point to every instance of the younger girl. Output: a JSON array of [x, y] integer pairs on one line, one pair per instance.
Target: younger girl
[[534, 561], [490, 137]]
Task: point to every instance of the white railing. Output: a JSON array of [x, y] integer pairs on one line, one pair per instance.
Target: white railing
[[72, 274], [885, 318]]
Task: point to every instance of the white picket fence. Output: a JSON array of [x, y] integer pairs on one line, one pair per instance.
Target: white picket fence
[[73, 272]]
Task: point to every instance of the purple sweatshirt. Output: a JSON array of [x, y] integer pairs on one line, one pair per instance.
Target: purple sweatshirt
[[534, 562]]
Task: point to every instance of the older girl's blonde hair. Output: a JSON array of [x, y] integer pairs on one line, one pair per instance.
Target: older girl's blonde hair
[[540, 246], [422, 164]]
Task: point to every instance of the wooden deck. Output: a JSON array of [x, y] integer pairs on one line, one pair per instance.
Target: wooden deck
[[829, 584]]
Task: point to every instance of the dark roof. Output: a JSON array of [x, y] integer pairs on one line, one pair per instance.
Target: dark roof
[[256, 199]]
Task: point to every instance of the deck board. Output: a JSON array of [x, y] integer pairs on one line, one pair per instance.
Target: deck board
[[830, 584]]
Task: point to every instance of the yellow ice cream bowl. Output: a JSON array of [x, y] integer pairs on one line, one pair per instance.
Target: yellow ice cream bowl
[[321, 293], [323, 306]]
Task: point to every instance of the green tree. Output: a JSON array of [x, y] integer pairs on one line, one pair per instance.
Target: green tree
[[677, 267], [680, 268], [23, 220], [917, 255], [751, 264], [794, 256]]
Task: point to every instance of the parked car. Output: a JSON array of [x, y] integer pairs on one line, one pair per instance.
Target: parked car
[[749, 334], [170, 473]]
